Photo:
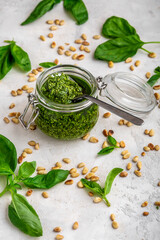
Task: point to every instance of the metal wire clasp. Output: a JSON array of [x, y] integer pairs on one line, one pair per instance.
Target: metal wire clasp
[[32, 101]]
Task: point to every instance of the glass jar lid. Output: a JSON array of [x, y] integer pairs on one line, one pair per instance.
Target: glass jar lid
[[129, 92]]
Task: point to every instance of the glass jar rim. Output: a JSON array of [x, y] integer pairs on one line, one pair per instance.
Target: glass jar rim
[[65, 68]]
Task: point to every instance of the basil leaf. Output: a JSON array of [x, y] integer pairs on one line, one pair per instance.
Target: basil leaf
[[157, 70], [43, 7], [47, 64], [26, 169], [8, 153], [48, 180], [115, 27], [153, 79], [17, 186], [106, 150], [110, 178], [95, 187], [5, 169], [112, 140], [6, 60], [20, 57], [23, 216], [119, 49], [77, 9]]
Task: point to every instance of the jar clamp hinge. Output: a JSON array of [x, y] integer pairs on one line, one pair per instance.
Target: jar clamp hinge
[[101, 84], [32, 101]]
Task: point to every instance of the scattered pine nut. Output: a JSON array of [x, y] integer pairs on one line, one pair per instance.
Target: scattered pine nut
[[144, 204], [19, 92], [128, 60], [86, 136], [83, 36], [61, 47], [94, 169], [29, 193], [78, 41], [59, 237], [151, 133], [56, 61], [81, 48], [67, 53], [31, 79], [80, 57], [121, 122], [73, 49], [32, 143], [53, 28], [57, 229], [75, 175], [34, 71], [42, 38], [12, 114], [152, 55], [55, 168], [131, 68], [157, 204], [137, 63], [97, 199], [87, 50], [49, 21], [105, 132], [61, 23], [56, 21], [89, 175], [80, 184], [129, 166], [151, 146], [69, 182], [12, 106], [143, 154], [50, 35], [41, 172], [146, 131], [6, 120], [24, 154], [66, 160], [125, 122], [20, 159], [14, 93], [94, 178], [40, 168], [90, 194], [122, 144], [73, 170], [53, 44], [84, 171], [157, 147], [30, 90], [129, 124], [139, 165], [80, 165], [158, 184], [45, 194], [110, 64], [157, 96], [146, 149], [137, 173], [60, 51], [110, 132], [124, 152], [58, 164], [156, 87], [93, 140], [145, 213], [15, 120], [148, 75], [127, 155], [74, 56], [85, 43], [123, 174], [112, 217], [115, 225], [40, 69], [28, 150], [75, 225], [33, 127], [25, 88], [31, 74], [107, 115], [105, 144], [96, 37]]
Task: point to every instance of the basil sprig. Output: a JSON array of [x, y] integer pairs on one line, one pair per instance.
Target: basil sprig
[[124, 41], [155, 77], [11, 54], [20, 212], [96, 188], [47, 64], [112, 141], [76, 7]]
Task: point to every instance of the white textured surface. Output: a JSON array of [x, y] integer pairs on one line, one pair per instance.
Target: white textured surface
[[67, 204]]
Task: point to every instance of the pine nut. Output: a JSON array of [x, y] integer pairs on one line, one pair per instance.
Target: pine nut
[[107, 115], [53, 28], [84, 171], [74, 56], [89, 175], [66, 160], [97, 199], [53, 45], [61, 23], [36, 147], [96, 37], [29, 193], [115, 225], [58, 164], [143, 154], [30, 90], [94, 169], [42, 38], [87, 50], [157, 204], [32, 127], [148, 75], [12, 114], [152, 55], [19, 92], [28, 150], [144, 204], [20, 159], [73, 49], [24, 154], [69, 182], [80, 57], [90, 194], [86, 136], [139, 165], [121, 122], [80, 165], [25, 88], [41, 172], [34, 71], [80, 184], [81, 48], [32, 79], [75, 225], [40, 69], [55, 168], [83, 36], [151, 146], [123, 174], [157, 147], [15, 120], [75, 175], [146, 132], [122, 144], [157, 87], [129, 124], [128, 60], [145, 213], [112, 217], [124, 152], [57, 229], [151, 133], [32, 143], [78, 41], [137, 173], [45, 194], [131, 68], [146, 149], [6, 120], [110, 132], [110, 64], [67, 53], [105, 132], [129, 166], [31, 74], [49, 21], [56, 61], [93, 140], [158, 184], [40, 168], [50, 35], [56, 21], [59, 237], [105, 144], [73, 170], [14, 93], [12, 106], [94, 178], [157, 96], [127, 155], [137, 63], [85, 43], [60, 51]]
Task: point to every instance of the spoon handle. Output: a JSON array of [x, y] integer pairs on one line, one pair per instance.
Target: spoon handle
[[135, 120]]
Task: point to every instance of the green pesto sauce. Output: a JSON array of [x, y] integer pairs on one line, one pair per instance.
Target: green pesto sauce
[[66, 126]]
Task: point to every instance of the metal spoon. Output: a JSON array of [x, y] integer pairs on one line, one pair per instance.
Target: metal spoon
[[133, 119]]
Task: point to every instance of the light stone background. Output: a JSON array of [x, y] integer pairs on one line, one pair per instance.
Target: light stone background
[[67, 204]]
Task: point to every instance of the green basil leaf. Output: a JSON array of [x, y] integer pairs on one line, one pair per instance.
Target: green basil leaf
[[21, 57], [157, 70], [112, 140], [6, 60], [48, 180], [26, 169], [110, 178], [47, 64], [77, 9], [153, 79], [95, 187], [5, 169], [23, 216], [17, 186], [42, 7], [115, 27], [119, 49], [8, 153], [106, 150]]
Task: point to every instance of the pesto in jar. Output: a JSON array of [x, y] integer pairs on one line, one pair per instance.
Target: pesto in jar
[[60, 88]]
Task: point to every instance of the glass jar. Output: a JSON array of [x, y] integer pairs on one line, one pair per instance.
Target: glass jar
[[63, 121]]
